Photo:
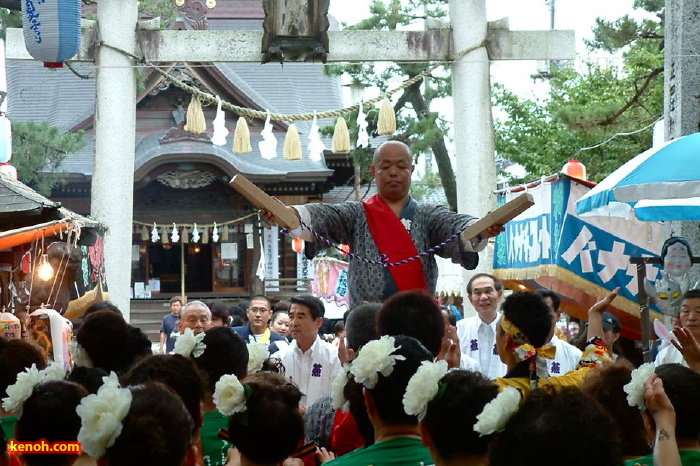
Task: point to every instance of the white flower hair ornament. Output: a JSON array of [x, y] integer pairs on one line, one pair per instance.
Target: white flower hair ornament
[[230, 395], [26, 382], [190, 345], [497, 412], [375, 358], [79, 355], [635, 389], [101, 416], [424, 387], [338, 400], [257, 354]]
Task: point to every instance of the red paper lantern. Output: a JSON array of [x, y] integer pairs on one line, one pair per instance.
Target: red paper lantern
[[345, 248], [575, 168], [297, 245]]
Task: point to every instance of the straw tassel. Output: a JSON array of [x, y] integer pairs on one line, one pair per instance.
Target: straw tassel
[[185, 236], [144, 233], [387, 119], [224, 234], [341, 137], [164, 237], [205, 235], [195, 117], [292, 144], [241, 139]]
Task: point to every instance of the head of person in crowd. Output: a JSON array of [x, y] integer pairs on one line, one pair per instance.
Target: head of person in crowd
[[361, 325], [271, 426], [542, 429], [485, 292], [225, 353], [526, 320], [611, 330], [553, 301], [195, 316], [259, 314], [219, 314], [463, 397], [111, 343], [176, 305], [238, 314], [280, 323], [281, 305], [89, 377], [179, 373], [690, 312], [306, 317], [382, 392], [415, 314], [153, 427], [391, 168], [682, 386], [339, 329], [605, 386], [49, 414], [15, 357], [102, 306]]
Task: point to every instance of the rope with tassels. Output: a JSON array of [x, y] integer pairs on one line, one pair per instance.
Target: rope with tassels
[[250, 113]]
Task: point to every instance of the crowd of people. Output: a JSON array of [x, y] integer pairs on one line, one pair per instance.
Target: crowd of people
[[402, 386]]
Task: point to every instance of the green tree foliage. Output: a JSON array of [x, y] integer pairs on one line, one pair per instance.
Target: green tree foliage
[[419, 127], [586, 107], [40, 147]]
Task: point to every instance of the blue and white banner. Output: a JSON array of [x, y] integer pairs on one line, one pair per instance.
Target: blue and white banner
[[550, 246]]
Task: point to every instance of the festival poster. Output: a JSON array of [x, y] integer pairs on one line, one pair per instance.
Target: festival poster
[[331, 284]]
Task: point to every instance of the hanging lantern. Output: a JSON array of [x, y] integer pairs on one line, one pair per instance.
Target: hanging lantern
[[9, 170], [297, 245], [575, 169], [345, 249], [51, 30], [45, 271], [5, 139]]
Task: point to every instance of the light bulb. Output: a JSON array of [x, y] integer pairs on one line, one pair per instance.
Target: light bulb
[[45, 271]]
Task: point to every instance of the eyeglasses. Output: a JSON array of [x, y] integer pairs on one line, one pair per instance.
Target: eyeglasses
[[258, 310]]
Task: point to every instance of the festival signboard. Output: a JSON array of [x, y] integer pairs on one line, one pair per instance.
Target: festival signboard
[[550, 246]]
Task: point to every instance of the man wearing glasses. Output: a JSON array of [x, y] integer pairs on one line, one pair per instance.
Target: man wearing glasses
[[259, 314]]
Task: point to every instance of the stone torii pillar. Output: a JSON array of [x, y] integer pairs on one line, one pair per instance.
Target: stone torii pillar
[[114, 158]]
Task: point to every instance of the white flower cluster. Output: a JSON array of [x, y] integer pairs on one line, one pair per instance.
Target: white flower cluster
[[635, 389], [229, 395], [338, 400], [257, 354], [101, 416], [190, 345], [23, 387], [496, 413], [80, 356], [423, 387], [375, 358]]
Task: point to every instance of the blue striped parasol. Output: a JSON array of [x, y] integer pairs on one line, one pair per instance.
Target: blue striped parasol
[[660, 184]]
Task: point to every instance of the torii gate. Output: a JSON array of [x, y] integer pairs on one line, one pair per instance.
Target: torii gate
[[115, 112]]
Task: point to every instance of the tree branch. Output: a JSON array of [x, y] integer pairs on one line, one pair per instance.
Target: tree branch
[[635, 98]]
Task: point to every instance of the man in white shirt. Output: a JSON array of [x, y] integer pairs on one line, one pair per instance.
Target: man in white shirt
[[690, 319], [311, 363], [477, 334], [567, 355]]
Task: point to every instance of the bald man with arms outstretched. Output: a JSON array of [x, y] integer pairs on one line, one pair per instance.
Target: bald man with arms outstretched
[[394, 225]]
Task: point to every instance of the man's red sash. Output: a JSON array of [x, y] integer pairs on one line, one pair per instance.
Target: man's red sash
[[393, 240]]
